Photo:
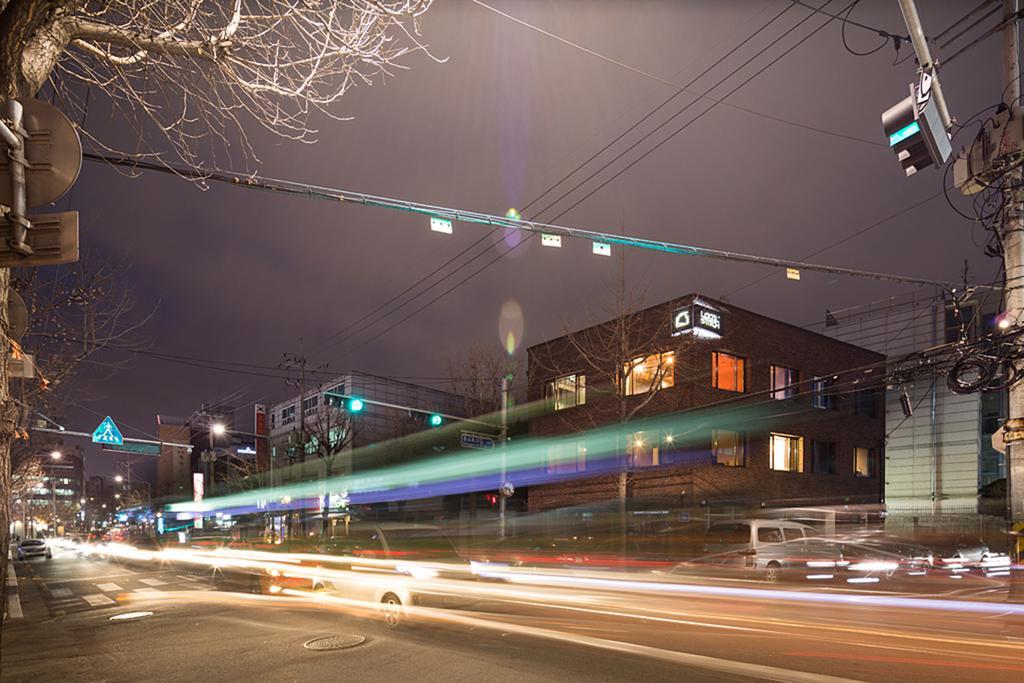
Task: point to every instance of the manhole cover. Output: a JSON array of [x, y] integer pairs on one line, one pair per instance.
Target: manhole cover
[[333, 642], [128, 616]]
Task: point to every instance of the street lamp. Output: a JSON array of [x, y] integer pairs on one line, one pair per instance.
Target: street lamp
[[55, 455], [218, 429], [118, 478]]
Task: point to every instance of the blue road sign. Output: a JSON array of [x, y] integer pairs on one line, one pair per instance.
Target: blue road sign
[[474, 440], [108, 433]]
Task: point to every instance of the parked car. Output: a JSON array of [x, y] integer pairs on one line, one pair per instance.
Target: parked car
[[885, 557], [769, 549], [33, 547]]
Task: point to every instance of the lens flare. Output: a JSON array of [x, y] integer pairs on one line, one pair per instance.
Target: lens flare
[[510, 326]]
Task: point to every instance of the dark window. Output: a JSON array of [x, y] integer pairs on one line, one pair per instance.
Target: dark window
[[784, 381], [822, 397], [727, 371], [729, 448], [793, 534], [962, 319], [769, 535], [866, 402], [824, 458]]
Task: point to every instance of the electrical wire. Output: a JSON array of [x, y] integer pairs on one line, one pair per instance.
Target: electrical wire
[[885, 36]]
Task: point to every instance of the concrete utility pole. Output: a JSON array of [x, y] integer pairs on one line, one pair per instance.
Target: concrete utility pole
[[1013, 259], [502, 488]]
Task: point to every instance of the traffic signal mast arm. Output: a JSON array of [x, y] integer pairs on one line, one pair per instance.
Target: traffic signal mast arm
[[345, 398], [88, 435]]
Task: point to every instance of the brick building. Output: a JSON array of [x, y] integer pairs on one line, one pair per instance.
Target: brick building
[[718, 406]]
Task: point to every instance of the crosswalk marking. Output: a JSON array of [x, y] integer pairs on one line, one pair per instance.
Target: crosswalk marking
[[96, 600], [188, 578], [108, 587], [153, 582], [60, 592]]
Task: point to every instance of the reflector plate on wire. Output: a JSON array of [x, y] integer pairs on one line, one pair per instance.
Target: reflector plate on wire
[[441, 225], [793, 273], [602, 249], [551, 240]]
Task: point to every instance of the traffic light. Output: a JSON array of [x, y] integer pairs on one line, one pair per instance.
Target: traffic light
[[355, 405], [915, 130], [435, 420]]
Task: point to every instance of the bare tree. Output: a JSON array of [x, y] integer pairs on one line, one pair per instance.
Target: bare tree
[[194, 74], [476, 374], [330, 432], [625, 364]]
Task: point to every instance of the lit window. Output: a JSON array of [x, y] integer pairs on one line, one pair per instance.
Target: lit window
[[729, 447], [646, 373], [567, 458], [787, 453], [727, 371], [865, 462], [642, 451], [784, 381], [823, 458], [567, 392], [822, 397]]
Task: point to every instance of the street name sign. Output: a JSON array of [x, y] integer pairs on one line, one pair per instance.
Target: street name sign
[[477, 441], [133, 447], [108, 433]]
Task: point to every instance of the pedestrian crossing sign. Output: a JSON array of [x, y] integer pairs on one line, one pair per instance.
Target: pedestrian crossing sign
[[108, 433]]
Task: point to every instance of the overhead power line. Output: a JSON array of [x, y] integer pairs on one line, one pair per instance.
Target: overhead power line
[[664, 81], [462, 215], [850, 22]]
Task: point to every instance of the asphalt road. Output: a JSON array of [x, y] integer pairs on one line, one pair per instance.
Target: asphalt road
[[529, 633]]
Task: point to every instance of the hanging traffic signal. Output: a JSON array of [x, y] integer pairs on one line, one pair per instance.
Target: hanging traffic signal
[[355, 405], [915, 130], [435, 420]]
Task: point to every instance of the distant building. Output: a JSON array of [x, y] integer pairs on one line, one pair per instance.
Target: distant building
[[174, 467], [938, 459], [58, 494], [811, 433]]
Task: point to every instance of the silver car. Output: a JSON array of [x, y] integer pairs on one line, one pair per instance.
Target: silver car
[[33, 547], [770, 547]]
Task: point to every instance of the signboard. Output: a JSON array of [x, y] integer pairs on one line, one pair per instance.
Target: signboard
[[697, 319], [262, 445], [108, 433], [476, 441], [197, 496], [133, 447]]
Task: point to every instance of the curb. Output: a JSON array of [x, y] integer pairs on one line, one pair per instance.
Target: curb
[[14, 610]]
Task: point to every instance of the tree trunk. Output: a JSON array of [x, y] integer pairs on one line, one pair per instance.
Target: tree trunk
[[623, 480], [32, 38]]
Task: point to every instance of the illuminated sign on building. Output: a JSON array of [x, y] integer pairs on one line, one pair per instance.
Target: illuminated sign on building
[[697, 319]]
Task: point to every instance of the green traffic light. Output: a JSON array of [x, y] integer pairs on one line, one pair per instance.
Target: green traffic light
[[435, 420], [356, 405]]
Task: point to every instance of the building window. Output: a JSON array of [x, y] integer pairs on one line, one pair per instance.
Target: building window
[[288, 415], [727, 371], [822, 397], [823, 458], [963, 319], [643, 452], [784, 381], [565, 458], [642, 374], [865, 462], [787, 453], [866, 402], [729, 447], [308, 404], [567, 392]]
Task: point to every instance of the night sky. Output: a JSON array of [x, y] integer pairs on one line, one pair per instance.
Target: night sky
[[240, 276]]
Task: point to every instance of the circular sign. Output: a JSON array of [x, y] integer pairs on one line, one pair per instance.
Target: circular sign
[[53, 151], [17, 315]]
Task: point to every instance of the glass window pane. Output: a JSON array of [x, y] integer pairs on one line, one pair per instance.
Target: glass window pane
[[786, 453], [784, 381], [729, 447], [642, 373], [769, 535], [727, 371]]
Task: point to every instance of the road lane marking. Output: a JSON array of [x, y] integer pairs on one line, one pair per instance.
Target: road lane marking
[[153, 582], [188, 578], [97, 600], [146, 590], [60, 592], [108, 587]]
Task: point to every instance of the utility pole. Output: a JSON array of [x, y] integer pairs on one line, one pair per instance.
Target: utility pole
[[1013, 259], [504, 490]]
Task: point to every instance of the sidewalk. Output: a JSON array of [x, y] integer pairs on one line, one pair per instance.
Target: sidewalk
[[36, 646], [13, 606]]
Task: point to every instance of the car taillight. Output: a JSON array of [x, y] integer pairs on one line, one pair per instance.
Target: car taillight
[[750, 556]]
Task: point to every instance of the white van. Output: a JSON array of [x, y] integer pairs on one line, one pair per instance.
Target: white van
[[769, 547]]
